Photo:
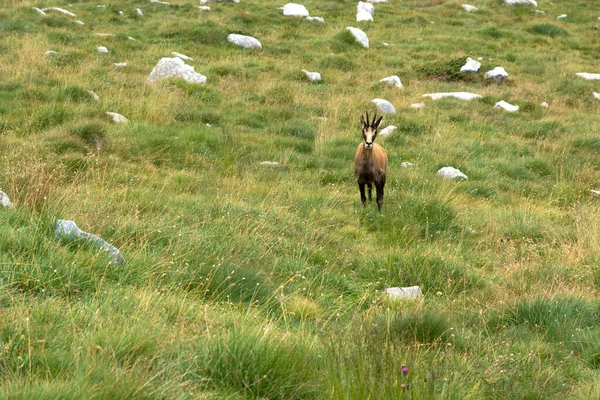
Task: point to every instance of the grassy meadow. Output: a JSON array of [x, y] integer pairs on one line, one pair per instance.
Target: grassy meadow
[[250, 281]]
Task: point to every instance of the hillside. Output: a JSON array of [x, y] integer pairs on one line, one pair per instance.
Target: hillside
[[249, 280]]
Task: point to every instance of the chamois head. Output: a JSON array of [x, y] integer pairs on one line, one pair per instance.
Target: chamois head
[[369, 129]]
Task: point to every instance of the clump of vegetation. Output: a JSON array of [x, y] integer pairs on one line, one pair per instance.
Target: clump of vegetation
[[448, 71], [550, 30], [93, 134]]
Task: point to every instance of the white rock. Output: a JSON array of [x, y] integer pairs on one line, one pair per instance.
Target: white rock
[[384, 106], [385, 44], [470, 66], [5, 201], [121, 12], [316, 19], [204, 8], [66, 229], [417, 106], [377, 1], [175, 68], [521, 2], [51, 53], [406, 164], [363, 16], [388, 130], [94, 95], [101, 6], [37, 10], [270, 163], [405, 293], [131, 38], [451, 173], [469, 8], [60, 10], [498, 73], [182, 56], [359, 35], [562, 16], [393, 80], [102, 49], [118, 118], [596, 95], [120, 65], [160, 2], [313, 76], [459, 95], [294, 10], [247, 42], [540, 12], [506, 106], [105, 34], [590, 77], [596, 192], [139, 12], [479, 58], [544, 104], [368, 7], [78, 22]]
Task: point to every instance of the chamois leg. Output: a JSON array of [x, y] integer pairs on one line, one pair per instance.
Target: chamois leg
[[379, 186], [370, 186], [363, 198]]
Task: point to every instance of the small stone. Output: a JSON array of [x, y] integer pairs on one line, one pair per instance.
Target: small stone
[[562, 16], [37, 10], [182, 56], [588, 76], [544, 104], [160, 2], [139, 12], [78, 22], [94, 95], [131, 38], [377, 1], [471, 66], [102, 49], [313, 76], [388, 130], [363, 15], [121, 12], [451, 173], [120, 65], [521, 2], [294, 10], [68, 230], [459, 95], [385, 44], [118, 118], [105, 34], [596, 95], [204, 8], [596, 192], [175, 68], [393, 80], [5, 201], [468, 7], [270, 163], [316, 19], [499, 74], [247, 42], [51, 53], [404, 293], [406, 164], [384, 106], [60, 10], [417, 106], [368, 7], [506, 106], [359, 36]]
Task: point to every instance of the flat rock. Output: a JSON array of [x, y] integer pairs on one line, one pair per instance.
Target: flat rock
[[182, 56], [118, 118], [244, 41], [393, 80], [270, 163], [406, 164], [294, 10], [588, 76], [458, 95], [468, 7], [359, 36], [175, 68], [384, 106], [313, 76], [78, 22], [59, 10], [451, 173], [5, 201], [404, 293], [521, 2], [363, 15], [596, 95], [596, 192], [139, 12], [506, 106], [39, 11], [131, 38], [316, 19], [104, 34], [204, 8], [498, 73], [388, 130], [68, 230], [160, 2], [120, 65], [368, 7], [417, 106], [102, 49], [51, 53], [377, 1], [94, 95], [562, 16], [471, 66]]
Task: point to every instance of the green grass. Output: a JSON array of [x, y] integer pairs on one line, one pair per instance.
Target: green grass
[[251, 281]]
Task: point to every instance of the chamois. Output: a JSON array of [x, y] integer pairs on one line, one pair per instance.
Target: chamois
[[371, 161]]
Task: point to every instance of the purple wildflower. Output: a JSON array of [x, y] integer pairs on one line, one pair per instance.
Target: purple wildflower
[[404, 386], [404, 369]]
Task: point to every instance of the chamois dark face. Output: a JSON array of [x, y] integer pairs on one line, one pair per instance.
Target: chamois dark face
[[369, 129]]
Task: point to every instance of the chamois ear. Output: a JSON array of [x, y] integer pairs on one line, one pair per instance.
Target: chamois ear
[[376, 124]]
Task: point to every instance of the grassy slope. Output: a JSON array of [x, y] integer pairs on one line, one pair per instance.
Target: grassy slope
[[249, 281]]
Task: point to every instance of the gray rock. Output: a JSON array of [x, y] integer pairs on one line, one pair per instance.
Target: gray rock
[[118, 118], [68, 230], [295, 10], [94, 95], [247, 42], [388, 130], [102, 49], [451, 173], [368, 7], [404, 293], [384, 106], [471, 66], [393, 80], [498, 73], [359, 36], [316, 19], [5, 201], [175, 68]]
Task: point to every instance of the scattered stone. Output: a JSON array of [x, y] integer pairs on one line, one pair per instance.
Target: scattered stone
[[589, 77], [479, 58], [451, 173], [37, 10], [363, 16], [66, 229], [387, 130], [540, 12], [385, 44], [121, 12], [101, 6], [368, 7], [182, 56], [60, 10], [469, 8], [131, 38], [384, 106], [204, 8], [521, 2], [562, 16], [244, 41], [94, 95], [316, 19], [175, 68], [360, 36], [78, 22], [313, 76], [139, 12], [294, 10], [471, 66], [499, 74], [417, 106], [393, 80], [596, 192], [5, 201], [377, 1], [406, 164], [160, 2], [102, 49], [404, 293], [544, 104], [596, 95], [118, 118], [506, 106], [120, 65], [105, 34], [51, 53], [459, 95], [270, 163]]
